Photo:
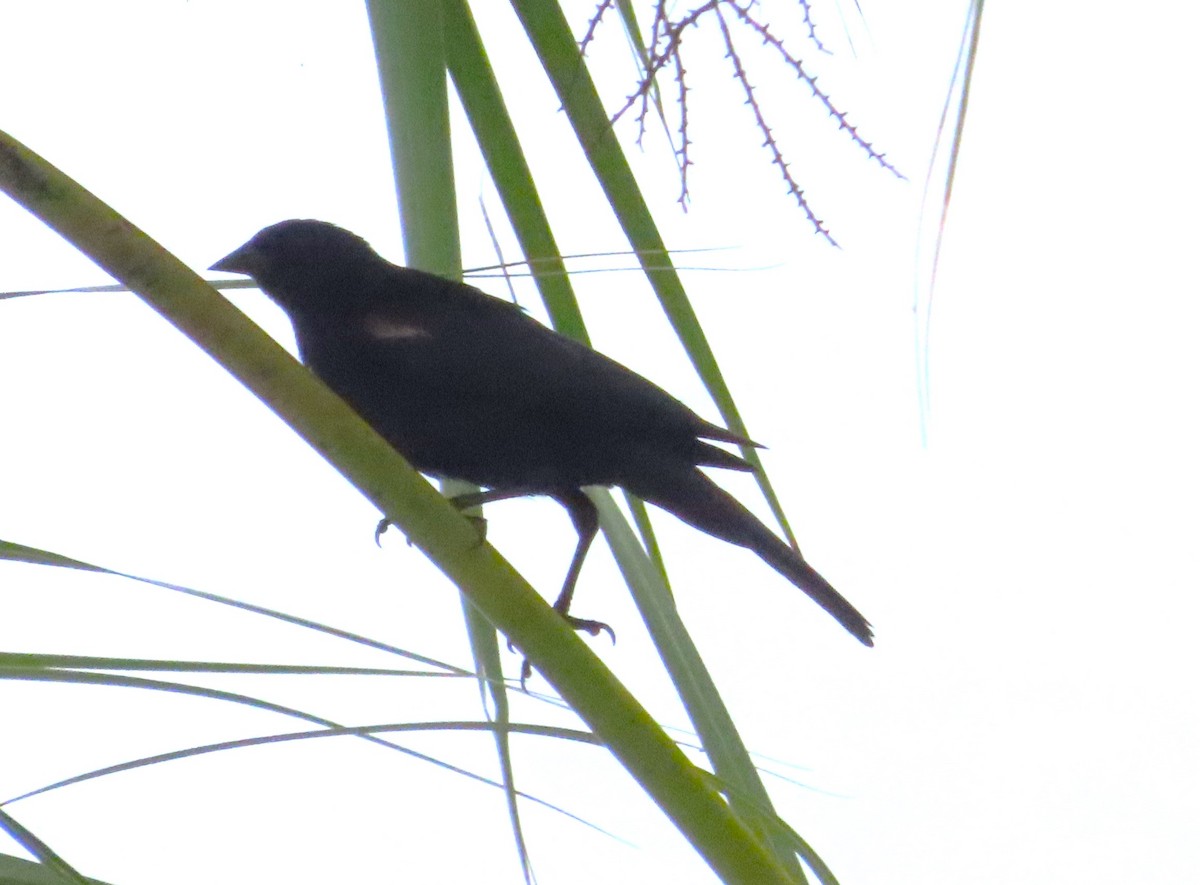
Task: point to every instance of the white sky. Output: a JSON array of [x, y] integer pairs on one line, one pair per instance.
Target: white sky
[[1029, 713]]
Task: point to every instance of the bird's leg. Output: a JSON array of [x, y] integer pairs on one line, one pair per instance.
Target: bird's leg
[[464, 502], [586, 519], [478, 499], [484, 496]]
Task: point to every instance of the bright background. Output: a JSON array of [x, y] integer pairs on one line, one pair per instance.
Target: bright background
[[1026, 548]]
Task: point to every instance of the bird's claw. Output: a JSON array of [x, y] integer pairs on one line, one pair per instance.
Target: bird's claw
[[383, 525], [478, 521], [592, 628]]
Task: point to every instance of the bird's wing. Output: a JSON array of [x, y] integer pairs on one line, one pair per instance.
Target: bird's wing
[[518, 360]]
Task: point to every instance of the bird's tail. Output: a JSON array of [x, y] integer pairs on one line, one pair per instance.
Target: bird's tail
[[700, 502]]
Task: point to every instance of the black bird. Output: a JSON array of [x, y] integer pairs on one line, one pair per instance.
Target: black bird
[[466, 386]]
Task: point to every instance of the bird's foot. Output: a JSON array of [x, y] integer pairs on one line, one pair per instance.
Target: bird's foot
[[478, 521], [592, 628], [383, 525], [480, 525]]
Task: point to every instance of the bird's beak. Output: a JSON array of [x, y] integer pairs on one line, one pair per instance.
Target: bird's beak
[[238, 261]]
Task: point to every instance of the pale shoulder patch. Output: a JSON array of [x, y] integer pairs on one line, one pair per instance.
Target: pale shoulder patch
[[385, 328]]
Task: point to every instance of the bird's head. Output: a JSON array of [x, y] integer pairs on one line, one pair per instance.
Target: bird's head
[[299, 262]]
